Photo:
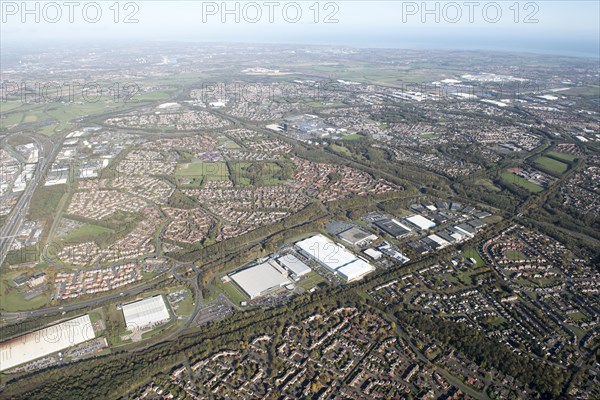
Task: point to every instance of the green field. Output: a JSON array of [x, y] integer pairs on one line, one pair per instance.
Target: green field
[[515, 255], [186, 307], [86, 233], [353, 137], [552, 165], [577, 317], [153, 96], [11, 119], [340, 150], [488, 184], [10, 296], [9, 106], [228, 143], [310, 281], [233, 292], [561, 156], [472, 253], [214, 171], [524, 183]]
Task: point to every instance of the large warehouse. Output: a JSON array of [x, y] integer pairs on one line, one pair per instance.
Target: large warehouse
[[335, 257], [45, 341], [357, 237], [261, 279], [146, 313], [421, 222], [296, 267]]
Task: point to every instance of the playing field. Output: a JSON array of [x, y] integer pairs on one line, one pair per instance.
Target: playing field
[[86, 233], [215, 171], [524, 183], [561, 156], [552, 165]]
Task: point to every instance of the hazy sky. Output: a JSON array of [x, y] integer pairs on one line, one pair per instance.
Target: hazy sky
[[546, 26]]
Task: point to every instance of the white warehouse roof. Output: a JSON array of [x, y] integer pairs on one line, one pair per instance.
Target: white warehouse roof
[[355, 270], [45, 341], [261, 278], [146, 312], [421, 222], [374, 254], [292, 263], [439, 240], [329, 254], [335, 257]]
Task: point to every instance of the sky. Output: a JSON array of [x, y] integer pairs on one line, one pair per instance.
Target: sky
[[548, 26]]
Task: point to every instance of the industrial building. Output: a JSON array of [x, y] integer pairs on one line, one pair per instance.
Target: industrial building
[[335, 257], [45, 341], [373, 253], [357, 237], [393, 227], [296, 267], [420, 222], [355, 270], [261, 279], [146, 313]]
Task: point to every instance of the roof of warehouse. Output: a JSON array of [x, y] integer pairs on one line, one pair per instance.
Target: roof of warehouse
[[356, 269], [291, 262], [145, 312], [259, 278], [326, 251]]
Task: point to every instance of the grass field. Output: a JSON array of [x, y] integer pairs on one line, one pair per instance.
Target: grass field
[[9, 106], [229, 144], [472, 253], [577, 317], [561, 156], [514, 255], [488, 184], [86, 233], [524, 183], [353, 137], [186, 306], [340, 150], [233, 292], [310, 281], [552, 165], [214, 171], [11, 119], [11, 299], [154, 96]]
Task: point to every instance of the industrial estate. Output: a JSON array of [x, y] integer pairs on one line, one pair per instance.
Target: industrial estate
[[299, 222]]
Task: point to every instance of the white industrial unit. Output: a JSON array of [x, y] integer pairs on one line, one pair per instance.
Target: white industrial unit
[[261, 278], [294, 265], [420, 222], [45, 341], [146, 313], [335, 257]]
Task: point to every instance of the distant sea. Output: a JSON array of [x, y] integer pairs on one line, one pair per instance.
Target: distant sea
[[561, 46], [588, 48]]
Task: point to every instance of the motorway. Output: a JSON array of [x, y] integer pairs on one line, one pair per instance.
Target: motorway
[[19, 211], [94, 302]]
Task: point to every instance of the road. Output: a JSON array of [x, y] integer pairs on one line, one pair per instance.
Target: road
[[81, 304], [19, 211]]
